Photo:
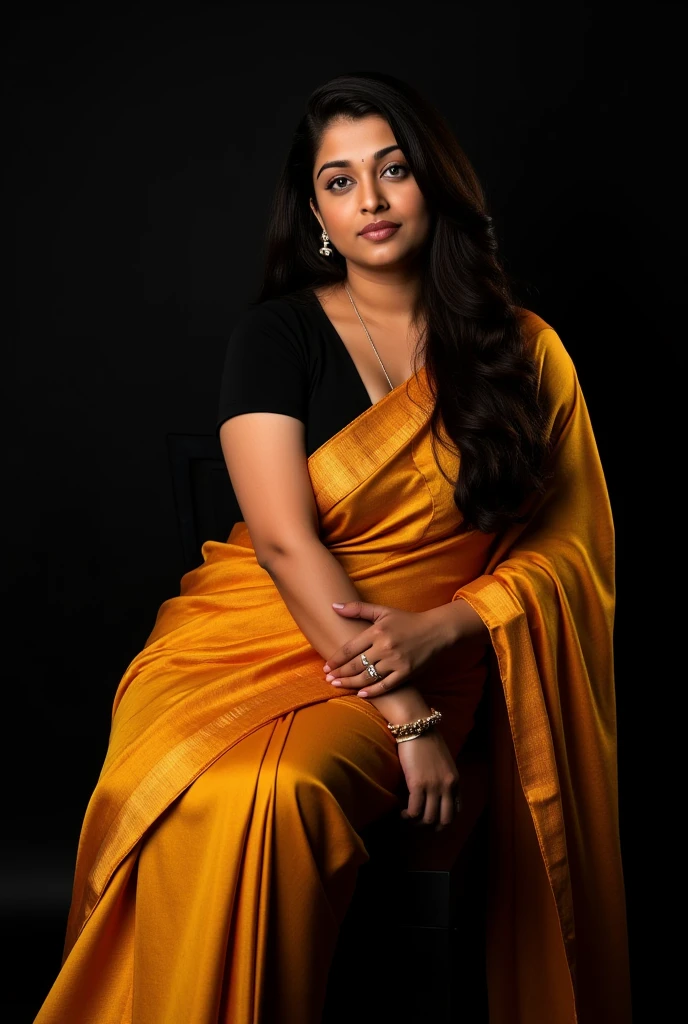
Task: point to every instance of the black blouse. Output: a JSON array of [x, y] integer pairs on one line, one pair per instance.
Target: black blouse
[[285, 356]]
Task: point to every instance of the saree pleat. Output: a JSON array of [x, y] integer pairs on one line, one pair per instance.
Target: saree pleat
[[220, 848]]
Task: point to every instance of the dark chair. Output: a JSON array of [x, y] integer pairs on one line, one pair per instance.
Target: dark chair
[[412, 944], [204, 499]]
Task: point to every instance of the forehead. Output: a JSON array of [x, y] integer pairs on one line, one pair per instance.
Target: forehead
[[355, 140]]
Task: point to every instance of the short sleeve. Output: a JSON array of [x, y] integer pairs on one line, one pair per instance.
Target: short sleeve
[[266, 365]]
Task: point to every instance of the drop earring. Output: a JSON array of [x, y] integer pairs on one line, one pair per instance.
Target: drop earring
[[325, 251]]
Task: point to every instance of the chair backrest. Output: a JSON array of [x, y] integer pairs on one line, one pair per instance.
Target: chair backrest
[[204, 499]]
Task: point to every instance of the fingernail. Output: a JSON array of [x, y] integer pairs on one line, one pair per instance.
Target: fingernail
[[336, 682], [326, 668], [329, 677], [362, 693], [335, 605]]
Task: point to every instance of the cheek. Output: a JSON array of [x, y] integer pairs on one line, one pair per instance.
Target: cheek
[[416, 212], [414, 207], [336, 215]]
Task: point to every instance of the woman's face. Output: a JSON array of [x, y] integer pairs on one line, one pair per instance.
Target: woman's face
[[360, 178]]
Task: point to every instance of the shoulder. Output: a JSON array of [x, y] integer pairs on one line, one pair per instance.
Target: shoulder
[[267, 365], [289, 315], [558, 386], [547, 351], [541, 339]]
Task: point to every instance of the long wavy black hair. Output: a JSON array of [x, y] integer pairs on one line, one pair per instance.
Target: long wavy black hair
[[483, 383]]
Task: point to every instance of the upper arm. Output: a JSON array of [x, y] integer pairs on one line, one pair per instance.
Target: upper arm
[[262, 412], [266, 460], [558, 388]]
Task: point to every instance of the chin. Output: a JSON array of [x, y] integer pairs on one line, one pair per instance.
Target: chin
[[389, 253], [394, 259]]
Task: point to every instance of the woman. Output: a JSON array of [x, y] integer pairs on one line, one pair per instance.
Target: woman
[[425, 522]]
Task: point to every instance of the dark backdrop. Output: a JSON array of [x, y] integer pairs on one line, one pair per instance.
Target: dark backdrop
[[143, 151]]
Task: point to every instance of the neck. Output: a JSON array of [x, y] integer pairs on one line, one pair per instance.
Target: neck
[[384, 293]]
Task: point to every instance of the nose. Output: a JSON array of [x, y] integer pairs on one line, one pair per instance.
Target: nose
[[372, 196]]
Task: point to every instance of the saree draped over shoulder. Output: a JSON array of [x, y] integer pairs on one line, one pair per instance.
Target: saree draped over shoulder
[[226, 683]]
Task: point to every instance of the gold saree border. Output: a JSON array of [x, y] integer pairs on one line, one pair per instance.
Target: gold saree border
[[365, 444], [533, 747]]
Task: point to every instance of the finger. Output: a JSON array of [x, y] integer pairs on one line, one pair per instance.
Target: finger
[[383, 686], [370, 689], [352, 674], [359, 610], [350, 682], [416, 804], [358, 678], [355, 667], [349, 651], [448, 810], [432, 807]]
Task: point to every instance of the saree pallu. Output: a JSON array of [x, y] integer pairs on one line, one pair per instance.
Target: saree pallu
[[226, 668]]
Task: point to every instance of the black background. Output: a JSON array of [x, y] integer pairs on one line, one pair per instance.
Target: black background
[[143, 149]]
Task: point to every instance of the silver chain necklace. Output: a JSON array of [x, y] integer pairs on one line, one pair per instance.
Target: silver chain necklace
[[391, 386]]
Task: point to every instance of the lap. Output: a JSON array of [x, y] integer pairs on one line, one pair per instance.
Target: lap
[[330, 746], [333, 738]]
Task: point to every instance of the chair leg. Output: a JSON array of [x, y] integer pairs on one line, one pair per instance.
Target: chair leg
[[385, 972], [409, 961]]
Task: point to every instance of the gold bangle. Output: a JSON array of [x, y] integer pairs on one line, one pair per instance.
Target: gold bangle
[[413, 729]]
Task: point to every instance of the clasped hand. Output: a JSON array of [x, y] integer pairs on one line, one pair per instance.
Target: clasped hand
[[398, 644]]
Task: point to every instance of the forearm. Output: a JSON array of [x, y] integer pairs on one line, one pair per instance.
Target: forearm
[[404, 704], [309, 579]]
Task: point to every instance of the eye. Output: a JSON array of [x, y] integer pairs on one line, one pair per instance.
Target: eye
[[335, 184], [399, 170]]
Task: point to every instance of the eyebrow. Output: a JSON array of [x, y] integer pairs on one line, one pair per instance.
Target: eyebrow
[[347, 163]]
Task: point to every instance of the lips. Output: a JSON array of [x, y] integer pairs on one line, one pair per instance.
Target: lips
[[378, 226], [379, 230]]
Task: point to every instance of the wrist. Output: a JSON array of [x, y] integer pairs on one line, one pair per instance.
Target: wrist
[[403, 705], [457, 621]]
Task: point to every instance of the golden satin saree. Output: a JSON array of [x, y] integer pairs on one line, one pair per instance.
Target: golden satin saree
[[225, 659]]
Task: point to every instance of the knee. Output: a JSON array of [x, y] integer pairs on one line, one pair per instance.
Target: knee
[[314, 791], [300, 780]]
